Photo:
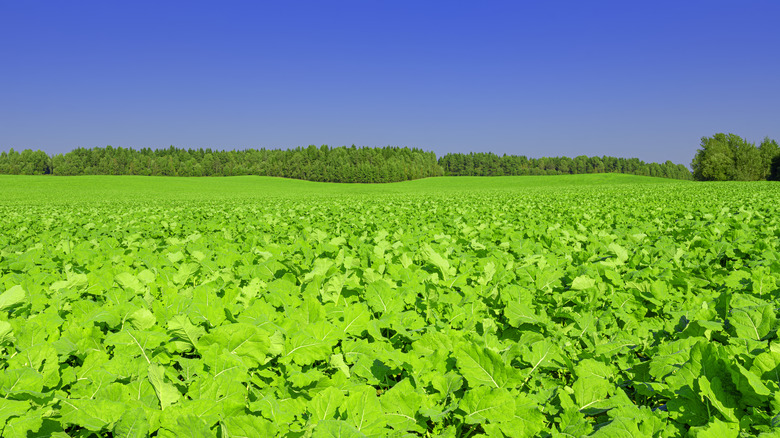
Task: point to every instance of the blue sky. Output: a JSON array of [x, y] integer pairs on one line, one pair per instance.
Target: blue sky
[[622, 78]]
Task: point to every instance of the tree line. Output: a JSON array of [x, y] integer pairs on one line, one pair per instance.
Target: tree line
[[490, 164], [728, 157], [338, 164]]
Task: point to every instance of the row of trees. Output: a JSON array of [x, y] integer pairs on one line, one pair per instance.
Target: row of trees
[[490, 164], [728, 157], [340, 164]]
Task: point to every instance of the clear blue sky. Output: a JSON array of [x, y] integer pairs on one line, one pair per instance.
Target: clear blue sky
[[623, 78]]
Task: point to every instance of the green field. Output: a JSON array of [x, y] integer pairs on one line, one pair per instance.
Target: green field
[[604, 305], [102, 188]]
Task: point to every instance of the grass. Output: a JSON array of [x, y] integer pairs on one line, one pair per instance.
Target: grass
[[54, 189]]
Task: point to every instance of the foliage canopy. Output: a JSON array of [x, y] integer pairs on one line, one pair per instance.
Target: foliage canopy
[[728, 157]]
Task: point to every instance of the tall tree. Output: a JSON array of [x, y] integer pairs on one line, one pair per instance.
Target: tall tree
[[768, 150], [728, 157]]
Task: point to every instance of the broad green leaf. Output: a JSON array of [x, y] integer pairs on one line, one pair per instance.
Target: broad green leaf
[[482, 367], [166, 392], [26, 425], [716, 429], [583, 282], [400, 405], [93, 415], [11, 297], [720, 399], [20, 381], [132, 424], [337, 361], [518, 313], [767, 366], [484, 404], [41, 357], [382, 298], [542, 355], [136, 343], [619, 251], [753, 322], [142, 319], [6, 333], [12, 408], [752, 389], [128, 281], [430, 255], [243, 340], [336, 429], [181, 327], [189, 425], [364, 412], [619, 428], [247, 426], [527, 421], [304, 349], [324, 404]]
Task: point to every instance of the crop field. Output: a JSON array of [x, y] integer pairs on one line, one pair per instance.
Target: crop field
[[560, 306]]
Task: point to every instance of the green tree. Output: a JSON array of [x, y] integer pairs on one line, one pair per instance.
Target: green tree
[[728, 157], [774, 169], [769, 150], [715, 161]]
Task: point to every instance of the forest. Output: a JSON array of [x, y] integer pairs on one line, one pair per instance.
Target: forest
[[326, 164], [340, 164], [729, 157], [489, 164]]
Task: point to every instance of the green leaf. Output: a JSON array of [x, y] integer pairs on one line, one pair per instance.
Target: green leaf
[[484, 404], [720, 399], [753, 322], [132, 424], [142, 319], [716, 429], [6, 333], [181, 327], [304, 349], [619, 428], [128, 281], [20, 381], [12, 408], [166, 392], [382, 298], [11, 297], [591, 393], [527, 420], [482, 367], [767, 365], [583, 282], [619, 251], [518, 313], [401, 404], [189, 425], [94, 415], [243, 340], [336, 429], [364, 412], [430, 255], [26, 425], [752, 389], [324, 404], [542, 355], [247, 426], [337, 361]]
